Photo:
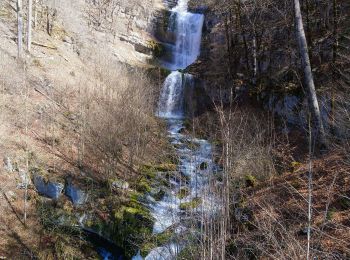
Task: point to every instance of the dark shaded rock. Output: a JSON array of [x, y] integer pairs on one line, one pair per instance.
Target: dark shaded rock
[[142, 48], [49, 189], [197, 101], [203, 166], [77, 195]]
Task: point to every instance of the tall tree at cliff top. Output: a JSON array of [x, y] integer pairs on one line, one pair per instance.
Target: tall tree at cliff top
[[29, 25], [19, 28], [308, 77]]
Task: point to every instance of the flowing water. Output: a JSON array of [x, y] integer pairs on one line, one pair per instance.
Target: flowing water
[[195, 155]]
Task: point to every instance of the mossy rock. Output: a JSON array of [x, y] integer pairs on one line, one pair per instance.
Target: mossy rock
[[344, 203], [41, 171], [187, 123], [156, 241], [203, 166], [295, 165], [159, 195], [164, 72], [131, 226], [166, 167], [57, 220], [330, 214], [143, 186], [183, 193], [156, 47], [148, 171], [250, 181], [191, 204], [147, 247], [192, 145], [115, 184]]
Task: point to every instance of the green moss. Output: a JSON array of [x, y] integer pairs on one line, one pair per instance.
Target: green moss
[[344, 203], [187, 123], [217, 143], [147, 247], [148, 171], [166, 167], [203, 166], [155, 241], [159, 195], [156, 47], [183, 193], [250, 181], [143, 186], [330, 214], [164, 72], [191, 204], [295, 165], [57, 220], [132, 225]]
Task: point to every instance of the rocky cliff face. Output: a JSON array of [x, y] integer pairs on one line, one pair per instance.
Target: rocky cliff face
[[132, 25]]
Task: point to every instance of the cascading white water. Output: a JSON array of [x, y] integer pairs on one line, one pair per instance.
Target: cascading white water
[[188, 38], [188, 30], [171, 101]]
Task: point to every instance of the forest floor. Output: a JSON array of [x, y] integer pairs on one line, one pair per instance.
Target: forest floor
[[277, 201]]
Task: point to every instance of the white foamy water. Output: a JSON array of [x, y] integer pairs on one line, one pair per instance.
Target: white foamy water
[[188, 30], [192, 152]]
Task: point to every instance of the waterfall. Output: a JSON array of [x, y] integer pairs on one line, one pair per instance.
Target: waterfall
[[188, 30], [171, 101]]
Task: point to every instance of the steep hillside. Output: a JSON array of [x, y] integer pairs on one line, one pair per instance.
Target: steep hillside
[[67, 125], [174, 130]]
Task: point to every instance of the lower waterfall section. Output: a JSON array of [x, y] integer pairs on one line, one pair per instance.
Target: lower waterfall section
[[171, 101], [188, 196]]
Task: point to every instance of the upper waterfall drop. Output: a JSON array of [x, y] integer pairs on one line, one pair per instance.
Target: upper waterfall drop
[[181, 7], [188, 30]]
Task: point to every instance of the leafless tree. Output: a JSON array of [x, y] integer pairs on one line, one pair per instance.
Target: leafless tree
[[308, 77], [19, 28]]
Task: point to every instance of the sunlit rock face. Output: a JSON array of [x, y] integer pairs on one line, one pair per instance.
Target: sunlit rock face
[[134, 23]]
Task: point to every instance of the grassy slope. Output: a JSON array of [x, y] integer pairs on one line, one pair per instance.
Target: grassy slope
[[46, 90]]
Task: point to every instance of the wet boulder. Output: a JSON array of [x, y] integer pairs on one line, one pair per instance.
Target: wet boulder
[[203, 166]]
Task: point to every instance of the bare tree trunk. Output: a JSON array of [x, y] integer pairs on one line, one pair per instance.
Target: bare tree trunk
[[334, 61], [27, 155], [29, 25], [255, 59], [35, 13], [19, 28], [308, 77]]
